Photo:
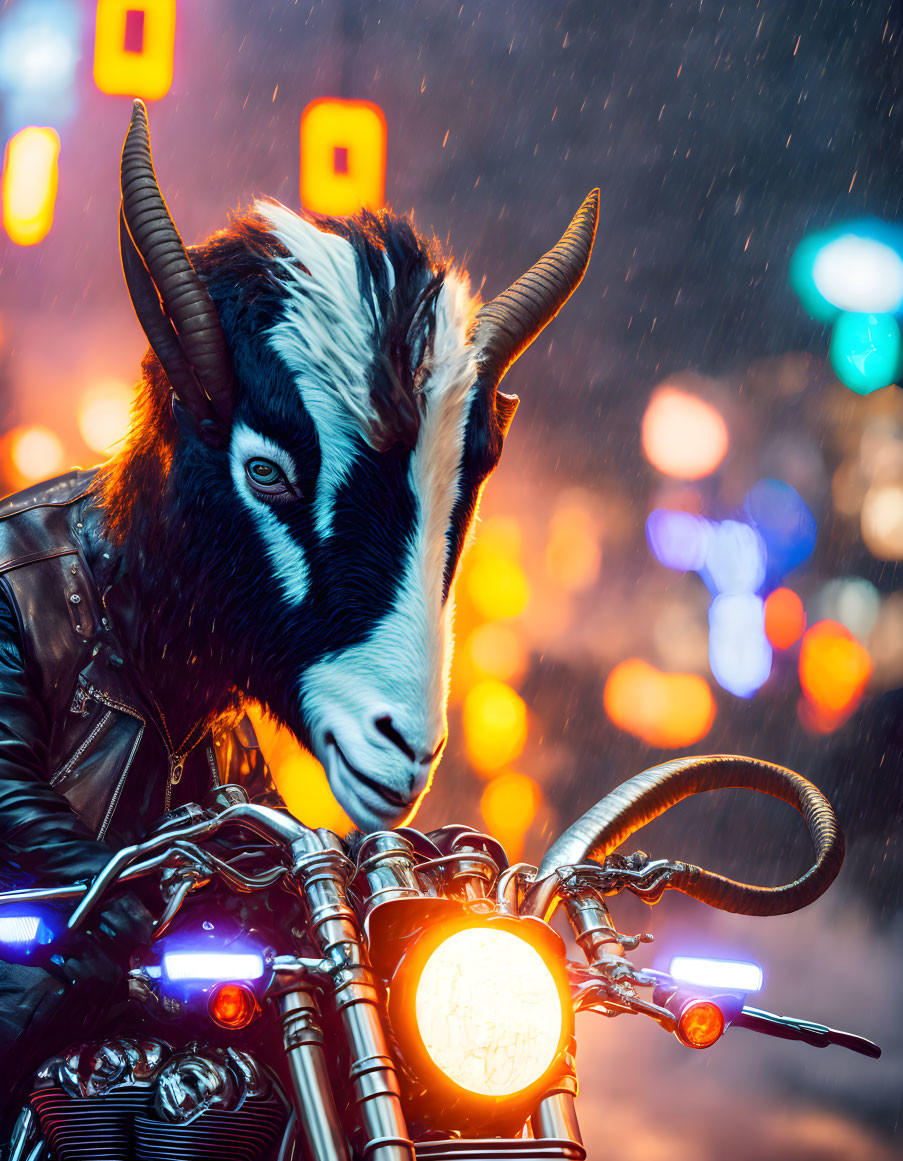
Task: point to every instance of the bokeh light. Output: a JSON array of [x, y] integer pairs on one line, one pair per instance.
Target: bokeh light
[[34, 453], [343, 156], [103, 414], [785, 523], [785, 618], [735, 558], [834, 670], [299, 777], [497, 649], [495, 725], [573, 549], [30, 179], [678, 540], [740, 653], [682, 435], [38, 50], [881, 521], [851, 600], [664, 709], [858, 273], [133, 47], [865, 351], [509, 805], [496, 584]]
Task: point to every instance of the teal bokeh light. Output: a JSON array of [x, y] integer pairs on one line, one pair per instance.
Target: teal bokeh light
[[855, 267], [865, 351]]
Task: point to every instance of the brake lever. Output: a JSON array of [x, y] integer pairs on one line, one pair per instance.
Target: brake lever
[[791, 1028]]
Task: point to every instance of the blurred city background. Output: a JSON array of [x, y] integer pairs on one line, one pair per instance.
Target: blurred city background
[[692, 542]]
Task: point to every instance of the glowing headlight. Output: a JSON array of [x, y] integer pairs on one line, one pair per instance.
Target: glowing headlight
[[489, 1011]]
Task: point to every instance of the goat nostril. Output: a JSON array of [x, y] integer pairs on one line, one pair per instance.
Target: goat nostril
[[385, 727]]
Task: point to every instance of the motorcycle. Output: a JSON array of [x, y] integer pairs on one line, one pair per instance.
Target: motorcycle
[[401, 996]]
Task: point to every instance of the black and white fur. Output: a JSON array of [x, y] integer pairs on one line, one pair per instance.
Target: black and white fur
[[327, 596]]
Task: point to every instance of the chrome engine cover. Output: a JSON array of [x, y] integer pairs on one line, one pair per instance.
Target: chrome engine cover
[[133, 1097]]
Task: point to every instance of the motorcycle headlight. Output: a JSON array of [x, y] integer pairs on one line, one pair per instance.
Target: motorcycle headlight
[[484, 1007]]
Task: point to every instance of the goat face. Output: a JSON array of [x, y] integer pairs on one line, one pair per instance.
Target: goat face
[[338, 470]]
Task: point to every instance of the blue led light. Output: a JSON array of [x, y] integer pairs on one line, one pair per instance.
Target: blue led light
[[213, 965], [19, 928], [733, 975]]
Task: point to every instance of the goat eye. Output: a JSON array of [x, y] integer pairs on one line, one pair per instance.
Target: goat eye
[[265, 474]]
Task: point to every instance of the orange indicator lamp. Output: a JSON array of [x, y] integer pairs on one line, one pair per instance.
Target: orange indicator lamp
[[133, 47], [700, 1024], [30, 178], [232, 1006], [343, 156]]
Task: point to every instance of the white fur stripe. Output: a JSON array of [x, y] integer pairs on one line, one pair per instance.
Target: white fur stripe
[[286, 555]]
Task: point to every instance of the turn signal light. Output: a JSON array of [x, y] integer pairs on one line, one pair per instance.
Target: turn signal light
[[233, 1006], [700, 1024]]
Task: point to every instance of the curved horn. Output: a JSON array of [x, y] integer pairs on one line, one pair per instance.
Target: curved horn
[[506, 326], [184, 298], [641, 799]]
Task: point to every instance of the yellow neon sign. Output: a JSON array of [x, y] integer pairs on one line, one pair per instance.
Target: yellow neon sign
[[133, 47], [343, 156], [30, 179]]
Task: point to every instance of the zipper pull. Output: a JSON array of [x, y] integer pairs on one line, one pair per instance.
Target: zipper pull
[[81, 698], [175, 770]]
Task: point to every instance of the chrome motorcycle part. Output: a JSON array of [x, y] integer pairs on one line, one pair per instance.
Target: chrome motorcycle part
[[641, 799], [302, 1038], [322, 876]]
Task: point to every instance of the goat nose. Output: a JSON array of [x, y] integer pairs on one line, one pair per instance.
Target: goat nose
[[389, 731]]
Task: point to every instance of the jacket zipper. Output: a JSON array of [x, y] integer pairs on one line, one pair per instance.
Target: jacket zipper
[[99, 726], [112, 703], [214, 769]]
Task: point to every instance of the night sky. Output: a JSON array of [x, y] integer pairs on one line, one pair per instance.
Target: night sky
[[719, 134]]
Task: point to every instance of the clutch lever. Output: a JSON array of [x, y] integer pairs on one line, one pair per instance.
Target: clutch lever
[[791, 1028]]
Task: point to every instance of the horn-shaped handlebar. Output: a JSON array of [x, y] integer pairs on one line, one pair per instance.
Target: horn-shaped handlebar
[[641, 799]]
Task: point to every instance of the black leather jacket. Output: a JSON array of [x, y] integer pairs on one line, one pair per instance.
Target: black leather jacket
[[85, 759]]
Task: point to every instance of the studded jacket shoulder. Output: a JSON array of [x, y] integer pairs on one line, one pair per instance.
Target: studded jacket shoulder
[[84, 759]]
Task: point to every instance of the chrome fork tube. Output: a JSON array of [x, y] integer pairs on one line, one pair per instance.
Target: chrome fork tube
[[555, 1116], [322, 876], [302, 1037]]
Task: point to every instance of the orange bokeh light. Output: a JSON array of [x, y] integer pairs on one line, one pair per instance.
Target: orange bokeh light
[[495, 725], [509, 805], [664, 709], [496, 650], [299, 777], [134, 41], [573, 550], [682, 435], [30, 180], [834, 671], [785, 618], [343, 156]]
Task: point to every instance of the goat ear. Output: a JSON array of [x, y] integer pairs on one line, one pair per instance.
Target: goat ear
[[505, 407]]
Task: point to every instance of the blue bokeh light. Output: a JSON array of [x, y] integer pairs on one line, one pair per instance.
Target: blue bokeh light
[[740, 654], [735, 558], [784, 522], [678, 540]]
